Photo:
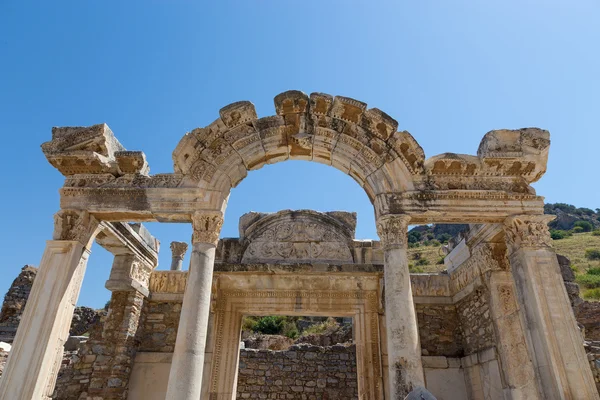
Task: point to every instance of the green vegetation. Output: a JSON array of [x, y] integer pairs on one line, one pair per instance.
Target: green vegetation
[[588, 281], [584, 225], [324, 326], [591, 294], [592, 254]]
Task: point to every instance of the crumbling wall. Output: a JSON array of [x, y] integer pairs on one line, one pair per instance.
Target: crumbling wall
[[14, 303], [301, 372]]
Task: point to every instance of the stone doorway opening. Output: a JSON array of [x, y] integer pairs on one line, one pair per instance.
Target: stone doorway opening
[[297, 357]]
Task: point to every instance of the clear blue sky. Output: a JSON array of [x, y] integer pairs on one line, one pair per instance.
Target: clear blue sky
[[448, 71]]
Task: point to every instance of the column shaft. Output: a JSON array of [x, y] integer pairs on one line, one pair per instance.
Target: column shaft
[[185, 377], [405, 369], [37, 349], [553, 338]]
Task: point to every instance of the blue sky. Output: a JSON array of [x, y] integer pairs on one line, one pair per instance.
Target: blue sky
[[448, 71]]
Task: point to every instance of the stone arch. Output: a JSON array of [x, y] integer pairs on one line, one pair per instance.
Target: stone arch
[[336, 131]]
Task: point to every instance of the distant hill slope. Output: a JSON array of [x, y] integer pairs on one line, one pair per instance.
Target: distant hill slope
[[575, 233]]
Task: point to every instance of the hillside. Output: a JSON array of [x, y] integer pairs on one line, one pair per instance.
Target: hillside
[[575, 233]]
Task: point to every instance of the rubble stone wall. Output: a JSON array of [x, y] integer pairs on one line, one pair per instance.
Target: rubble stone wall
[[14, 303], [474, 315], [301, 372], [439, 330], [159, 332]]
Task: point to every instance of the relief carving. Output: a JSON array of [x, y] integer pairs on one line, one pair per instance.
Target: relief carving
[[74, 225], [207, 227], [527, 231], [393, 231], [297, 236]]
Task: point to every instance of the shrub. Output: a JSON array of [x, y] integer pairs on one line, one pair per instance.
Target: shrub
[[557, 234], [594, 271], [414, 237], [592, 254], [596, 232], [585, 225], [417, 255], [248, 324], [426, 243], [290, 330], [440, 261], [589, 281], [435, 242], [422, 261], [415, 270], [591, 294], [444, 237], [270, 325], [577, 229]]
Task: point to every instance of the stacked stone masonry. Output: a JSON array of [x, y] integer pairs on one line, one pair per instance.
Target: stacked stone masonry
[[303, 372], [474, 314], [439, 330]]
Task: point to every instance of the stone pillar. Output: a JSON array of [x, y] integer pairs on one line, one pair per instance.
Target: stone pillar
[[404, 349], [551, 330], [185, 378], [519, 378], [113, 356], [178, 250], [36, 354]]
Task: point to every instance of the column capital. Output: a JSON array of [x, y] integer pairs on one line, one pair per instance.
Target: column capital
[[75, 226], [178, 249], [527, 231], [392, 230], [206, 227]]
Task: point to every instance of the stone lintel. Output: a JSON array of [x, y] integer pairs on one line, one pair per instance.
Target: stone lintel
[[122, 238]]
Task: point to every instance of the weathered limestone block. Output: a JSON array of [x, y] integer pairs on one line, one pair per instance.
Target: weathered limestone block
[[14, 303]]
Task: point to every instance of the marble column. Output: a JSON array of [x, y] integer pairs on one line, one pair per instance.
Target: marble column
[[551, 330], [36, 354], [185, 377], [404, 349], [178, 250]]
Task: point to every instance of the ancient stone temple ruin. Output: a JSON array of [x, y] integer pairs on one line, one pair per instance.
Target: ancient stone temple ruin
[[497, 324]]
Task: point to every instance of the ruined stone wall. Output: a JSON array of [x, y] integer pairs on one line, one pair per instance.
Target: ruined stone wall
[[14, 303], [474, 316], [301, 372], [439, 330], [160, 326]]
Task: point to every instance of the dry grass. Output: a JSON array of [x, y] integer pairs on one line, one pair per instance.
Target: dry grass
[[430, 253], [574, 248]]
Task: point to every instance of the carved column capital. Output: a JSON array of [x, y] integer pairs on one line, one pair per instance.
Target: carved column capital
[[527, 231], [74, 225], [392, 230], [206, 226], [178, 249]]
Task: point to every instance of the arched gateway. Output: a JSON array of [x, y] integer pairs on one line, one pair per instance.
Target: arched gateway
[[538, 350]]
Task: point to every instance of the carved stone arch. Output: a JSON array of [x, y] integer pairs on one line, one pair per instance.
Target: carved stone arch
[[336, 131]]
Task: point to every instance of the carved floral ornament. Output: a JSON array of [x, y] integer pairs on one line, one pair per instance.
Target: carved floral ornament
[[74, 225], [392, 230], [178, 249], [527, 231], [207, 227]]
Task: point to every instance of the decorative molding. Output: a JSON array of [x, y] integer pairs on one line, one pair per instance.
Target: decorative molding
[[207, 227], [527, 231], [393, 231], [74, 225]]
